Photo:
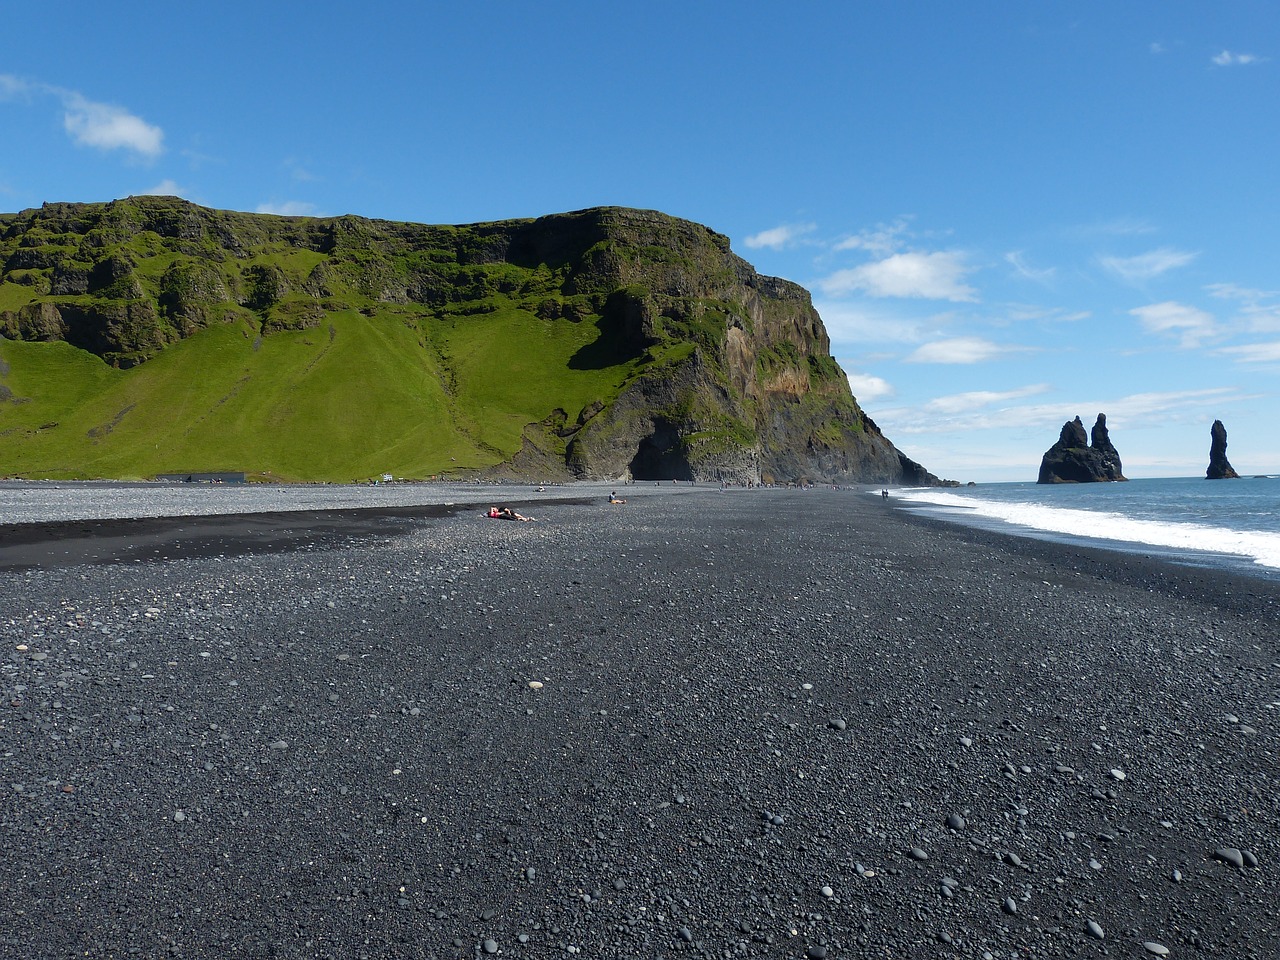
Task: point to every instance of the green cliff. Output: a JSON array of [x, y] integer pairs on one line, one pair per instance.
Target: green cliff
[[151, 335]]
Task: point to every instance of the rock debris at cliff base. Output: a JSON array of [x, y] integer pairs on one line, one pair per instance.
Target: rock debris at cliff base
[[770, 724]]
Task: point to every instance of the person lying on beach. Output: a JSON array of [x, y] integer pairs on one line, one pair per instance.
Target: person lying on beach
[[506, 513]]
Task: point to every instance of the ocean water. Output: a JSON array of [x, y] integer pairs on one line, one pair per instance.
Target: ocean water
[[1224, 523]]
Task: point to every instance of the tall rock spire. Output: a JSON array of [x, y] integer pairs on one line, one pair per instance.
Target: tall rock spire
[[1219, 466]]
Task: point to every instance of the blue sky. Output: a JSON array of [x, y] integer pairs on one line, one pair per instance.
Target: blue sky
[[1008, 213]]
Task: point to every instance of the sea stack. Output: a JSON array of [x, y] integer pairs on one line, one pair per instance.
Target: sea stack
[[1219, 466], [1074, 460]]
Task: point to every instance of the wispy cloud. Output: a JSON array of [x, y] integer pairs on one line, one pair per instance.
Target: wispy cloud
[[1254, 352], [1146, 266], [975, 399], [779, 237], [962, 350], [1259, 309], [853, 324], [868, 388], [928, 276], [1025, 312], [1229, 59], [1191, 326], [1018, 261], [289, 208], [883, 239], [1116, 227], [951, 414], [90, 123]]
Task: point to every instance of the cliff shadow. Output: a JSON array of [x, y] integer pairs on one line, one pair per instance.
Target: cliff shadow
[[625, 331]]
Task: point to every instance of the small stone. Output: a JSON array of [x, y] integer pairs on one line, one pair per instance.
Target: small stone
[[828, 892], [918, 854], [837, 724], [279, 745], [816, 952], [966, 742], [686, 934], [1249, 859], [1158, 949], [1117, 774], [1095, 930], [1229, 855], [179, 816], [1010, 906], [535, 684], [1176, 876], [1013, 860], [957, 822], [491, 946], [530, 873]]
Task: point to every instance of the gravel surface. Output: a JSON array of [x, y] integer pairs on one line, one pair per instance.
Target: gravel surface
[[25, 501], [749, 724]]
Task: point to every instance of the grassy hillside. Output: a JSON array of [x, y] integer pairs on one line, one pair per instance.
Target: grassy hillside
[[150, 335], [352, 399]]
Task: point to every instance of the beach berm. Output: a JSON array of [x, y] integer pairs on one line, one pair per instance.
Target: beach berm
[[756, 723]]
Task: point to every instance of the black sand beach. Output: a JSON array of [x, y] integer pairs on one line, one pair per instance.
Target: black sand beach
[[750, 724]]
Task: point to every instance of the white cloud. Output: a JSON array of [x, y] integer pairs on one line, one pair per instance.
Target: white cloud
[[884, 238], [928, 276], [1191, 325], [289, 208], [1019, 263], [1228, 59], [165, 188], [961, 350], [1255, 352], [108, 127], [103, 126], [868, 388], [779, 237], [1146, 266], [1158, 47]]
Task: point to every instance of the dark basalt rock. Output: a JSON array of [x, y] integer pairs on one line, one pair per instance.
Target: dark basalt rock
[[1073, 459], [1219, 466]]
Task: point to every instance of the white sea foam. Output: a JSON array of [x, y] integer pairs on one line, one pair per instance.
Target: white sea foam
[[1261, 547]]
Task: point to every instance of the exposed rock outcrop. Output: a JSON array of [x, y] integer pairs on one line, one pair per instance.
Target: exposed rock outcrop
[[1074, 460], [1219, 466]]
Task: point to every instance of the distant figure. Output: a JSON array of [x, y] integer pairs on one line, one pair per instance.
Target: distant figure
[[884, 494], [506, 513], [614, 498]]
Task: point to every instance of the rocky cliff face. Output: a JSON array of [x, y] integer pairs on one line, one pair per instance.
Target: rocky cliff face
[[724, 373], [1219, 466], [1074, 460]]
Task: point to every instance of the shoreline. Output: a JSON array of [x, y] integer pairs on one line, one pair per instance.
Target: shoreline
[[760, 725]]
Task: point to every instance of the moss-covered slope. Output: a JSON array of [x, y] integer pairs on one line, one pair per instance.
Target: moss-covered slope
[[151, 335]]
